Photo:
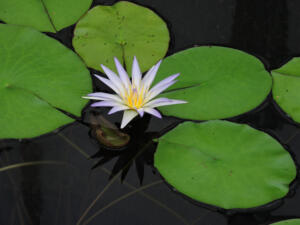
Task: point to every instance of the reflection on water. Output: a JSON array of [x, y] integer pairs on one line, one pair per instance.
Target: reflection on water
[[138, 151], [77, 179]]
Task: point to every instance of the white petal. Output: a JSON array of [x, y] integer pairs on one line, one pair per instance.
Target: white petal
[[136, 74], [103, 96], [157, 90], [117, 109], [161, 86], [166, 80], [123, 74], [114, 79], [105, 104], [141, 112], [108, 83], [127, 117], [153, 112], [163, 101], [149, 77]]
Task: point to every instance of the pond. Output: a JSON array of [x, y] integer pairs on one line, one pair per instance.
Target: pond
[[76, 175]]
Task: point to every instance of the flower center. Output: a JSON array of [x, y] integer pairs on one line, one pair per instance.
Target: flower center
[[135, 99]]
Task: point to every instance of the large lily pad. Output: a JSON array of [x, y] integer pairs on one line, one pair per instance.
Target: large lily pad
[[123, 30], [37, 75], [288, 222], [217, 82], [225, 164], [44, 15], [286, 86]]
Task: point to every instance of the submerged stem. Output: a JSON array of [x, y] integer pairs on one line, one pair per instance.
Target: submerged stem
[[76, 147], [33, 163], [120, 199]]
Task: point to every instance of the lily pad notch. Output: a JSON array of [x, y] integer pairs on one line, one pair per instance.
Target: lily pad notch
[[35, 83], [43, 15]]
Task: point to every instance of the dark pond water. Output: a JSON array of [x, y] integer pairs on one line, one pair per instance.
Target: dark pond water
[[61, 193]]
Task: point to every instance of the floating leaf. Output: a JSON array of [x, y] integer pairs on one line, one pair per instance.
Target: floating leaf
[[225, 164], [217, 82], [123, 30], [44, 15], [37, 75], [288, 222], [286, 86]]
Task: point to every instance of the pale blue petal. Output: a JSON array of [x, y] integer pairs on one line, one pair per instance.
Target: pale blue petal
[[162, 102], [108, 83], [153, 112], [158, 89], [122, 73], [114, 79], [166, 81], [105, 104], [117, 109], [136, 73], [127, 117], [141, 112], [103, 96], [150, 75]]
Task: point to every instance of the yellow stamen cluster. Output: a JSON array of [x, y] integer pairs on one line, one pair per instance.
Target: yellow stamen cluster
[[134, 98]]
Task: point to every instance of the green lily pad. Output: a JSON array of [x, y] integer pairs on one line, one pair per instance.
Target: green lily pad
[[38, 75], [286, 86], [123, 30], [225, 164], [288, 222], [217, 83], [44, 15]]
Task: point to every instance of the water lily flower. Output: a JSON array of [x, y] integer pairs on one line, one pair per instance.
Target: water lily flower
[[134, 97]]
